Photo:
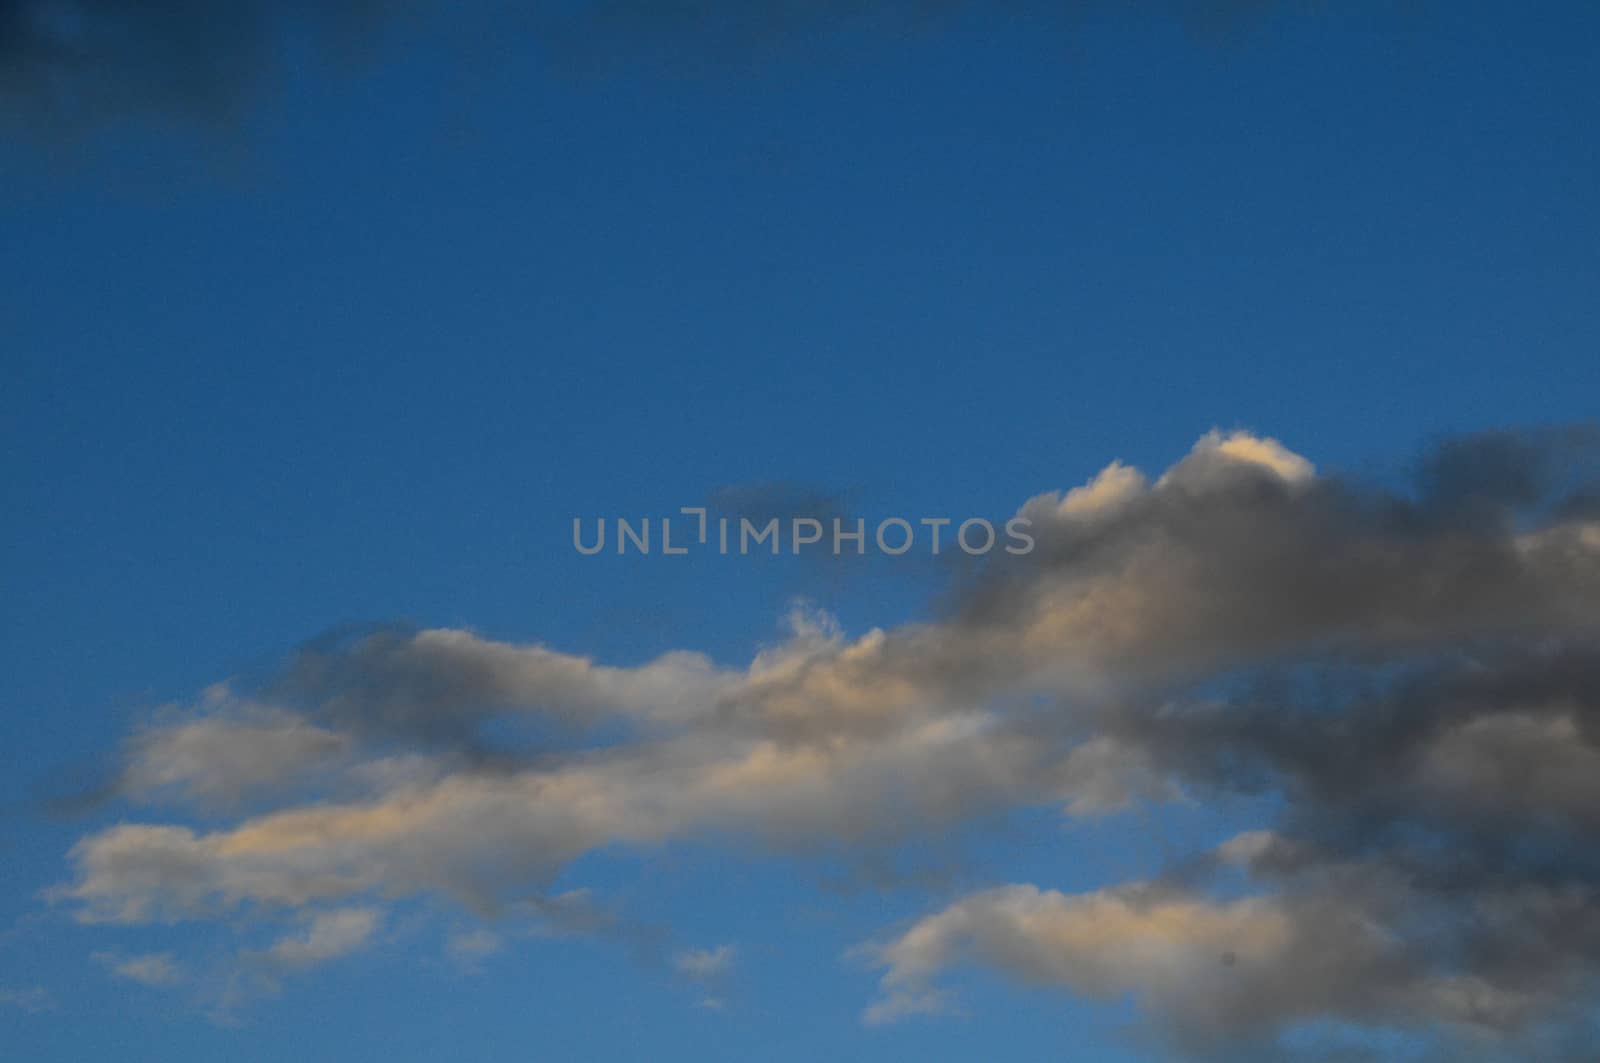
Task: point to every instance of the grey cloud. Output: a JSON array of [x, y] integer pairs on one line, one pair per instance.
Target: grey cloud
[[439, 688], [1239, 977], [780, 500], [488, 838], [1227, 561], [1406, 671], [1410, 677], [1202, 967], [1480, 766], [72, 64], [227, 753], [1237, 555]]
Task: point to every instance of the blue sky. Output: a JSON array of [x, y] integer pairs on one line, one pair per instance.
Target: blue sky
[[359, 349]]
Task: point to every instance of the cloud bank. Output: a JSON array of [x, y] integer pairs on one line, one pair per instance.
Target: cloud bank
[[1406, 675]]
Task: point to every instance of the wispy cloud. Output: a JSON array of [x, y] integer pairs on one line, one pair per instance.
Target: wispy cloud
[[33, 1000], [327, 936], [469, 948], [705, 964], [156, 969]]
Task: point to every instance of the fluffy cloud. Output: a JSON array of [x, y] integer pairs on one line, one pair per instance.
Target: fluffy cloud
[[230, 750], [1212, 972], [1408, 672], [485, 837]]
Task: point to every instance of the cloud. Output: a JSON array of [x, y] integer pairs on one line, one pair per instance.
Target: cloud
[[1210, 972], [903, 1003], [230, 751], [33, 1000], [155, 969], [1406, 672], [1352, 943], [327, 936], [469, 948], [782, 501], [439, 687], [1489, 748], [705, 964], [710, 969], [1171, 949], [67, 65], [314, 937]]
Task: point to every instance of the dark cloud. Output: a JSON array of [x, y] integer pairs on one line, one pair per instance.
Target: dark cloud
[[67, 66], [1456, 805], [783, 501]]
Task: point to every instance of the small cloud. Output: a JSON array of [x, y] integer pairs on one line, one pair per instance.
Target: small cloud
[[469, 948], [329, 936], [149, 969], [32, 1000], [906, 1003], [326, 936], [705, 964], [709, 969]]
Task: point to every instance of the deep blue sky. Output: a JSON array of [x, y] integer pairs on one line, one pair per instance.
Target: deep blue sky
[[364, 354]]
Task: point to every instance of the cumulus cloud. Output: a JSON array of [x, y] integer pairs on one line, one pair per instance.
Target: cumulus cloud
[[1169, 948], [1211, 972], [1406, 671], [1315, 939]]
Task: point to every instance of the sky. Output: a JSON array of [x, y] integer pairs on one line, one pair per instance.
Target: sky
[[321, 325]]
